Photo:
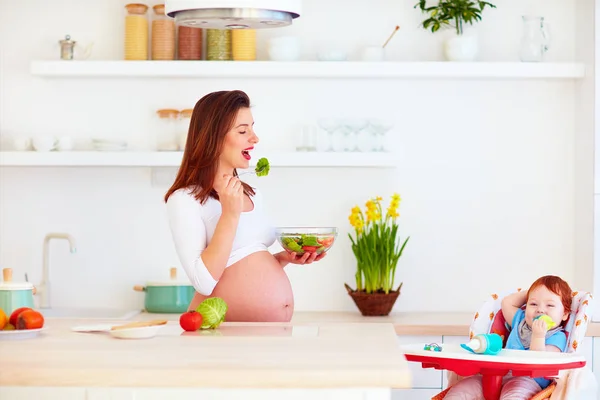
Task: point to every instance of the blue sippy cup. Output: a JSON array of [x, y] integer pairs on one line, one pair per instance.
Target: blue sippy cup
[[489, 344]]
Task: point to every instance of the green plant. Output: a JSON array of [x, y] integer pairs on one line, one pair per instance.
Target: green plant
[[452, 13], [376, 247]]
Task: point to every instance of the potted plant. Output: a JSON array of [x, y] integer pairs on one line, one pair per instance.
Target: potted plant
[[455, 14], [377, 250]]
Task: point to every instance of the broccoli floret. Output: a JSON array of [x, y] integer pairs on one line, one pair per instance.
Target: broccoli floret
[[291, 244], [310, 240], [262, 167]]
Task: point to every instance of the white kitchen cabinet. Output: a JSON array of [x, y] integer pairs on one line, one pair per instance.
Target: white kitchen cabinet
[[596, 359], [453, 340], [29, 393], [414, 394], [238, 394], [423, 378], [588, 352], [110, 394]]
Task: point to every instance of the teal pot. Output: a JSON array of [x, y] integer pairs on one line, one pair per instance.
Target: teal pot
[[14, 295], [169, 297]]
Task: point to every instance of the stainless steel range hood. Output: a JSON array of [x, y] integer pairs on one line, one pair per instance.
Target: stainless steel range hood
[[233, 14]]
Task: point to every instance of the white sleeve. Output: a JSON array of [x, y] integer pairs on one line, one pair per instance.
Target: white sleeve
[[189, 236]]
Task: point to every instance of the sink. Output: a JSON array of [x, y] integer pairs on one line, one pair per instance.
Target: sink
[[89, 313]]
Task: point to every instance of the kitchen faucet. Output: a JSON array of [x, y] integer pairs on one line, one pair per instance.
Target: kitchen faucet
[[44, 287]]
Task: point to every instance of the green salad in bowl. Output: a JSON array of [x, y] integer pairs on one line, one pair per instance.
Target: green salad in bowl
[[306, 240]]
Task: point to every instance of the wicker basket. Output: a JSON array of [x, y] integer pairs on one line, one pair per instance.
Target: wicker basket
[[374, 304]]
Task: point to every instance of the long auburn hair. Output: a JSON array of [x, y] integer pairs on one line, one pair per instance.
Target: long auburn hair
[[557, 286], [213, 116]]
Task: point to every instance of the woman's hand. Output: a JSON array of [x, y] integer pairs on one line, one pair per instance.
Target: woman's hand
[[231, 194], [286, 258]]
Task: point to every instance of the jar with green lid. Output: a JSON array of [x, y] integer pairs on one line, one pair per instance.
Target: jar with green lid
[[218, 44]]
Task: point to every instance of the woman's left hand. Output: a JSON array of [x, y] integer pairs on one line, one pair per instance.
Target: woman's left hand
[[286, 258]]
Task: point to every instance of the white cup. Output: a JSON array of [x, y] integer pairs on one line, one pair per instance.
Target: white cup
[[373, 53], [44, 143], [21, 143], [65, 143]]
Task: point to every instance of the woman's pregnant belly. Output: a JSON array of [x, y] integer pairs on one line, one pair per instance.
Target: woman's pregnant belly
[[256, 289]]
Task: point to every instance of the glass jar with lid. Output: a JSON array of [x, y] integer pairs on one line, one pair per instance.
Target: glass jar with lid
[[185, 117], [218, 44], [243, 44], [189, 43], [168, 130], [163, 35], [136, 32]]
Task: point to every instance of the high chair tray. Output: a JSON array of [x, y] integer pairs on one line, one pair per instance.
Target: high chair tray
[[454, 358]]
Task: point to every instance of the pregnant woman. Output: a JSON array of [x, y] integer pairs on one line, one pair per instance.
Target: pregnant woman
[[219, 227]]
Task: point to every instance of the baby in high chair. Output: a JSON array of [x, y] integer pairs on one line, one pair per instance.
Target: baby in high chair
[[548, 295]]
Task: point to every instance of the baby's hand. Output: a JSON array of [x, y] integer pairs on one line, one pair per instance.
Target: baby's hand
[[539, 328]]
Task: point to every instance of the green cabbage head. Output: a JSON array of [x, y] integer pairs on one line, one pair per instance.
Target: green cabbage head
[[213, 312]]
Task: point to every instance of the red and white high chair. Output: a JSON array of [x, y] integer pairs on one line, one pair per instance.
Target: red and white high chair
[[489, 319]]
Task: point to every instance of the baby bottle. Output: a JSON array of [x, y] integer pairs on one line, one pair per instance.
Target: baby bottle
[[489, 344]]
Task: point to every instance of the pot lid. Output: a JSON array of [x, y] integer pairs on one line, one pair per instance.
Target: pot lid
[[168, 283], [172, 282], [8, 284], [233, 14]]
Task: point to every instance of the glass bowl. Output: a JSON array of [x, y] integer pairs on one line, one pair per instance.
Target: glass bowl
[[301, 240]]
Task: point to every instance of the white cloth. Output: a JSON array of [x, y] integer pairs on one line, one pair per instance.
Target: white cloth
[[576, 384], [193, 226]]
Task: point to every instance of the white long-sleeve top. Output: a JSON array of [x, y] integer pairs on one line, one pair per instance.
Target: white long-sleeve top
[[193, 226]]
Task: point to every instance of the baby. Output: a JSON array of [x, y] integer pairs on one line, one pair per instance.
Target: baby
[[550, 296]]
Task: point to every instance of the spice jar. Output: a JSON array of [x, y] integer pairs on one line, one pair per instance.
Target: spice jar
[[189, 43], [185, 117], [136, 32], [218, 44], [67, 47], [243, 44], [168, 130], [163, 35]]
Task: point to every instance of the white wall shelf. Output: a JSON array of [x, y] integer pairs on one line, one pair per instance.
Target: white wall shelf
[[173, 159], [306, 69]]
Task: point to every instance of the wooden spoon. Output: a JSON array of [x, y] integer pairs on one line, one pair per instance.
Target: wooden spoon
[[139, 324]]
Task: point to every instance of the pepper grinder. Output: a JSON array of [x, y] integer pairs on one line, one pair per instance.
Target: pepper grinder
[[66, 48]]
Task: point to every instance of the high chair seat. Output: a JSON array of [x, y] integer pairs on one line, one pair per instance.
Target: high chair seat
[[489, 319]]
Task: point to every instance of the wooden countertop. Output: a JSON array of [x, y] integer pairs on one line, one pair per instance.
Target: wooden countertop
[[267, 355], [417, 324]]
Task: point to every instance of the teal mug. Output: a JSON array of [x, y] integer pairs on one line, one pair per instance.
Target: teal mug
[[14, 295]]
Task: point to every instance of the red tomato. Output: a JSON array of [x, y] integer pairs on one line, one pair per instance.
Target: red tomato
[[190, 321], [326, 241], [310, 249], [15, 314], [30, 319]]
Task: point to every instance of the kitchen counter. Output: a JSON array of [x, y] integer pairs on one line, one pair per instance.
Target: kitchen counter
[[237, 355], [409, 324]]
